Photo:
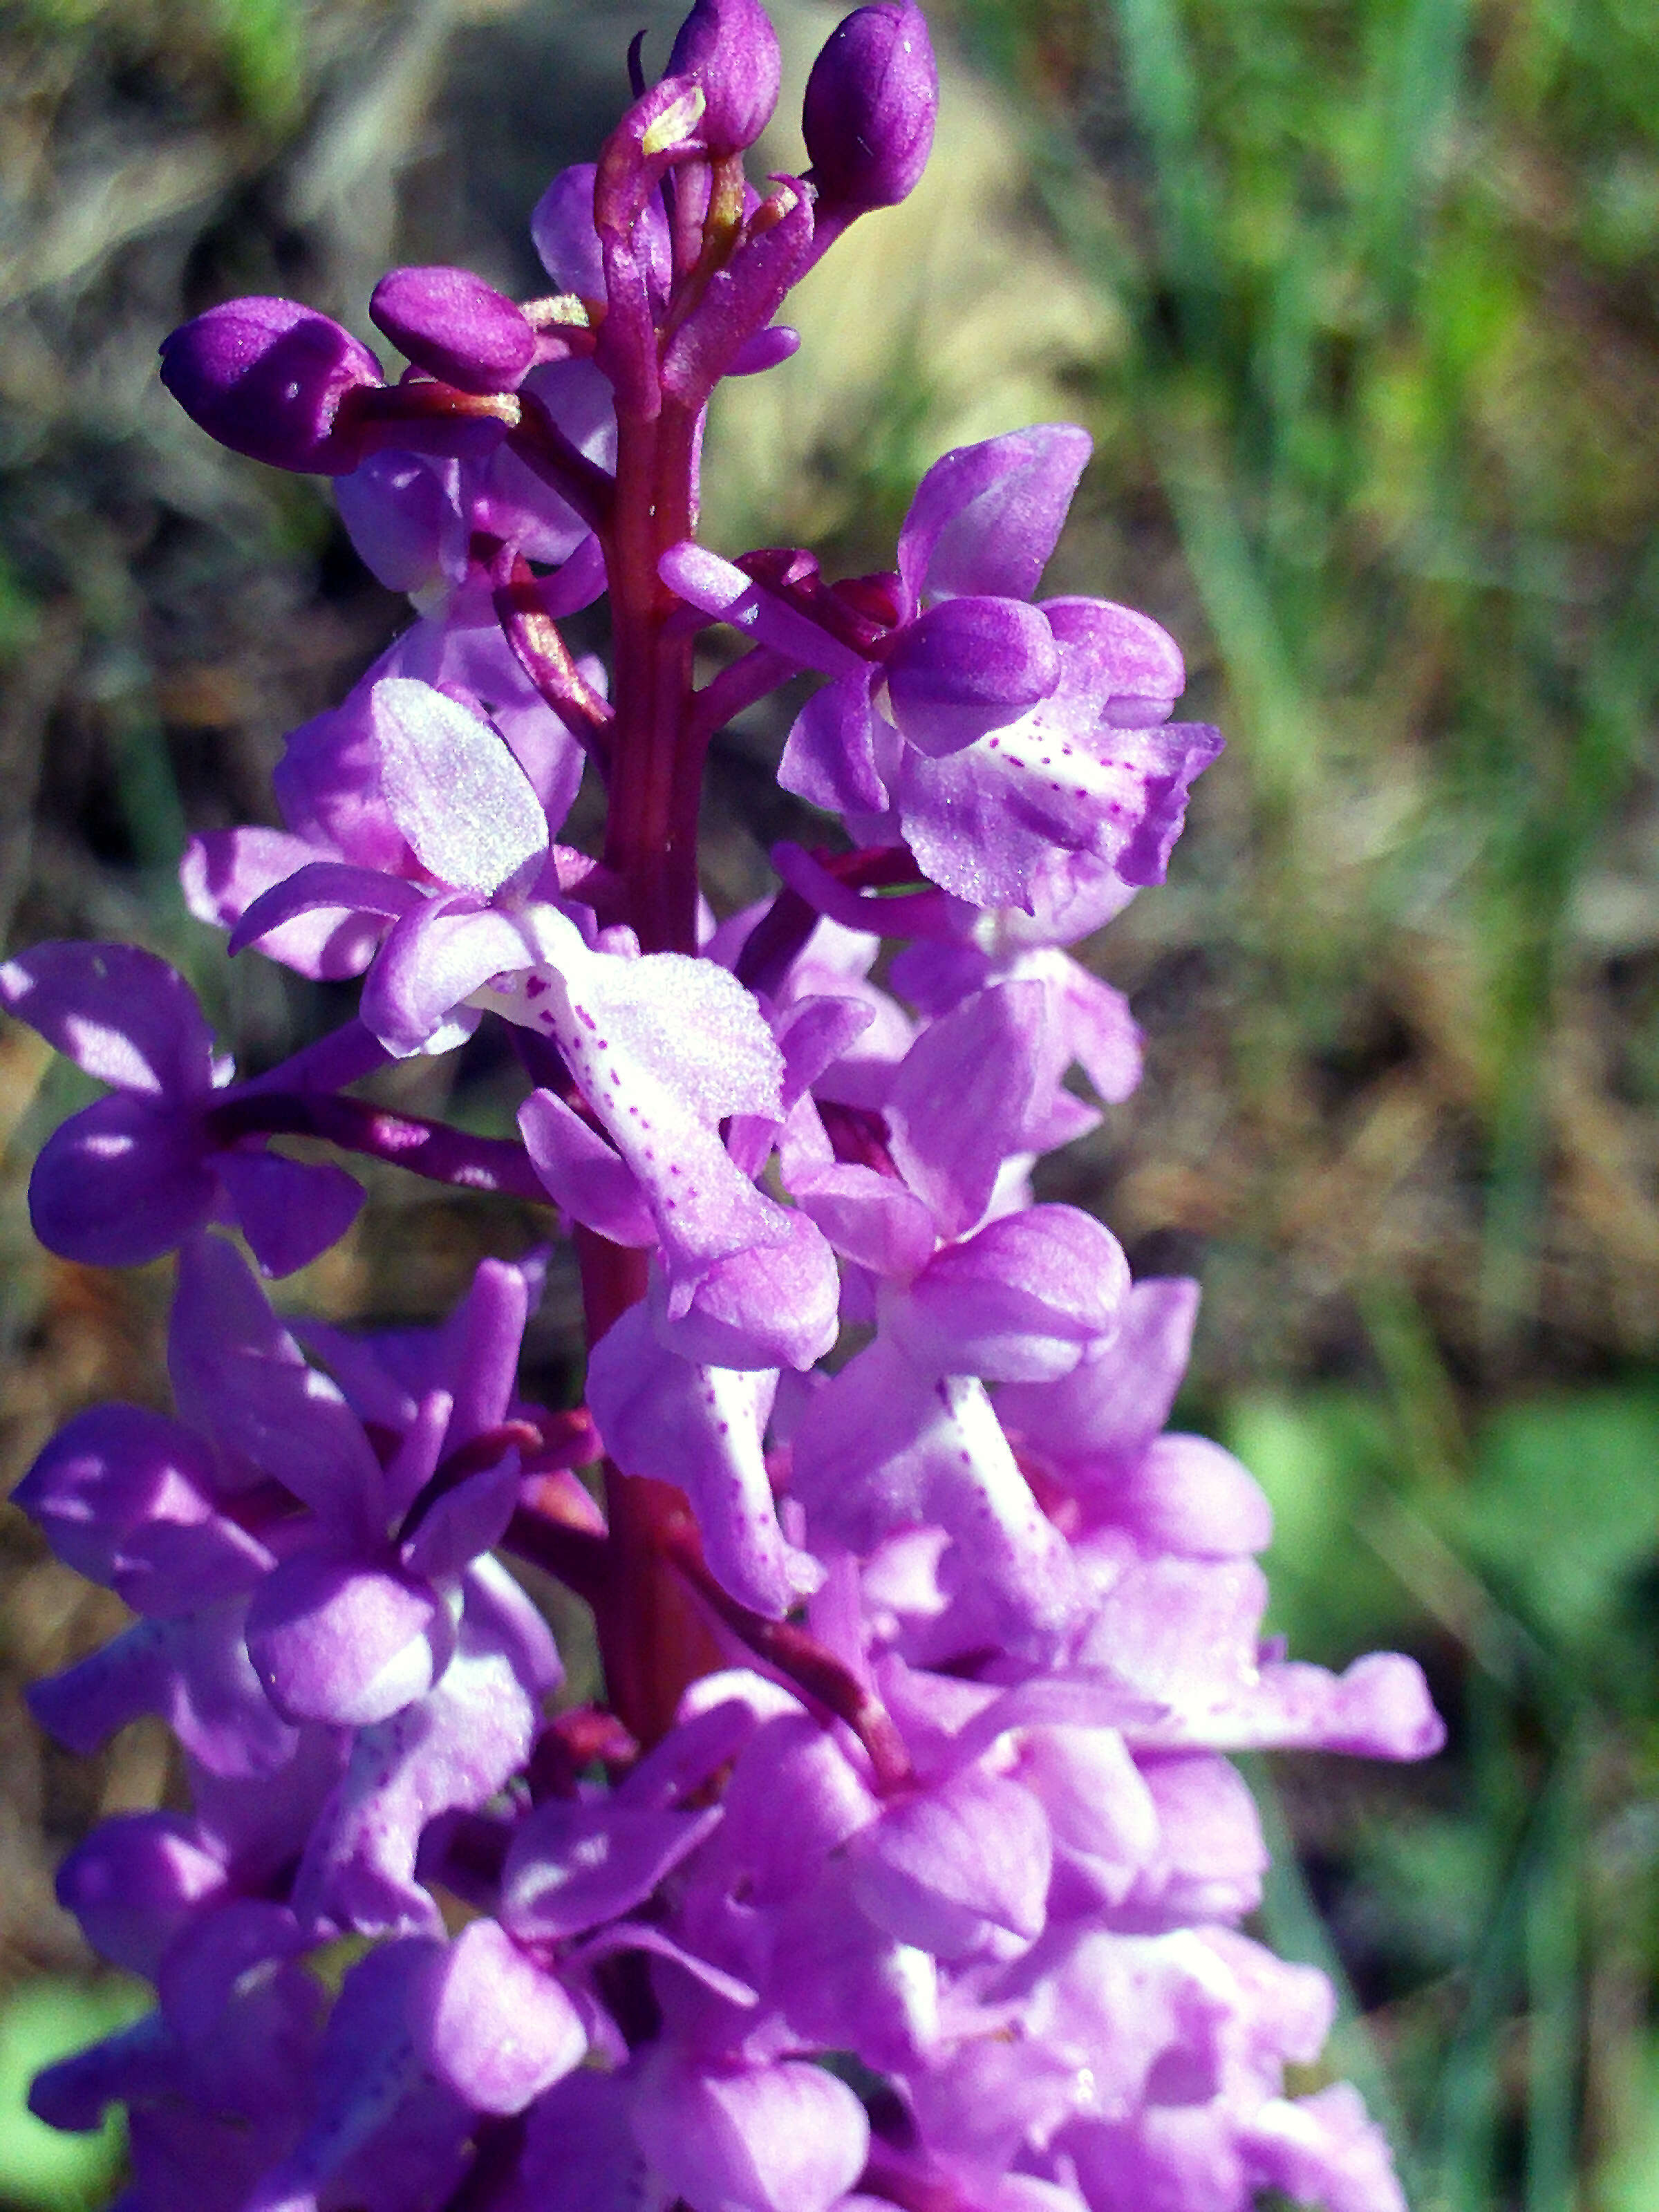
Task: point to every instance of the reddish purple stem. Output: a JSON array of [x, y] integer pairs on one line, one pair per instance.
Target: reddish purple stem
[[431, 1148]]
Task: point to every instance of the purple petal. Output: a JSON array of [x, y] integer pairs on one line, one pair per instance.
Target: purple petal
[[719, 588], [345, 1644], [450, 1752], [983, 822], [967, 667], [193, 1670], [74, 2093], [1323, 2150], [499, 1618], [664, 1048], [121, 1182], [258, 1824], [562, 227], [1140, 2005], [1132, 661], [700, 1428], [200, 1976], [641, 1935], [376, 2120], [845, 1984], [240, 1376], [580, 582], [128, 1499], [455, 791], [224, 871], [135, 1883], [1064, 1699], [830, 757], [481, 1343], [742, 298], [942, 1867], [885, 1448], [1092, 1792], [1157, 774], [583, 1174], [579, 399], [363, 897], [1019, 1300], [470, 1519], [431, 964], [580, 2154], [381, 1375], [787, 2138], [118, 1012], [961, 1093], [414, 1461], [455, 326], [866, 1215], [1099, 1030], [563, 230], [985, 518], [776, 1305], [401, 513], [709, 1737], [791, 1803], [328, 780], [492, 2027], [1188, 1496], [1182, 1631], [289, 1211], [1212, 1856], [1118, 1398], [1378, 1708], [815, 1033], [572, 1867]]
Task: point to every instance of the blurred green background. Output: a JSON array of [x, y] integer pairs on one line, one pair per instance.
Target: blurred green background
[[1360, 299]]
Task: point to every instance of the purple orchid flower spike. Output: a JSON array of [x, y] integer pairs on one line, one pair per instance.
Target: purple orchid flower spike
[[130, 1177], [897, 1858]]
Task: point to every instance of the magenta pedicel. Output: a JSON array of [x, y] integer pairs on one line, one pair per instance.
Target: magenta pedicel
[[904, 1863]]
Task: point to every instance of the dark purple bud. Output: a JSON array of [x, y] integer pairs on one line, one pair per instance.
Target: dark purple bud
[[730, 49], [266, 377], [456, 327], [871, 102]]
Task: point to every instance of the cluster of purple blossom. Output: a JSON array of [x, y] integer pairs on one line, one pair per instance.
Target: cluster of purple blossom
[[904, 1863]]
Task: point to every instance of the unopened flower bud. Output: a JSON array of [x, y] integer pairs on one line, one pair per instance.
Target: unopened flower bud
[[730, 49], [456, 327], [870, 103], [266, 377]]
